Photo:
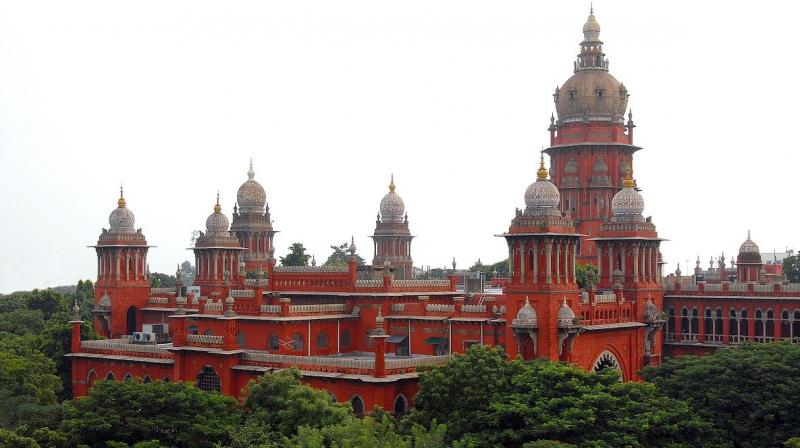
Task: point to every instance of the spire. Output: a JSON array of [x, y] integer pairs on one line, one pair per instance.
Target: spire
[[250, 173], [217, 207], [628, 181], [541, 173], [121, 201], [391, 184]]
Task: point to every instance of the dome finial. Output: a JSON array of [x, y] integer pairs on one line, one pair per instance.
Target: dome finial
[[591, 8], [541, 173], [250, 173], [391, 184], [217, 207], [121, 201], [628, 181]]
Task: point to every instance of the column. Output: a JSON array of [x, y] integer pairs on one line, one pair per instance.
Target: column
[[599, 248], [116, 256], [558, 262], [535, 262], [610, 262], [522, 256], [574, 248], [548, 251], [726, 325], [635, 264]]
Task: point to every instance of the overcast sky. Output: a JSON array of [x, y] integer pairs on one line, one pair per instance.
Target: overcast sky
[[330, 97]]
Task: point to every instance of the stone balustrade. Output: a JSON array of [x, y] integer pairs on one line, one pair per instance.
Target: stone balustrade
[[311, 269], [331, 362], [158, 300], [439, 308], [398, 307], [473, 308], [204, 339], [274, 309], [420, 283], [369, 283], [738, 287], [242, 293], [123, 346], [213, 306], [763, 288], [605, 298], [170, 290], [713, 287], [318, 308]]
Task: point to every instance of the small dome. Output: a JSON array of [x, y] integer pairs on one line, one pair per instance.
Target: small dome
[[566, 316], [591, 29], [392, 207], [251, 196], [749, 246], [650, 310], [121, 219], [571, 169], [352, 248], [217, 222], [542, 197], [600, 168], [628, 204], [526, 316], [105, 301]]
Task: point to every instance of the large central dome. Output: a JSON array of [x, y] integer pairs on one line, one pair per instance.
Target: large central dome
[[251, 195], [592, 92], [392, 207]]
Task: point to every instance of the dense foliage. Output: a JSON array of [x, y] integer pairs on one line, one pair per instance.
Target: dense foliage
[[340, 256], [791, 268], [749, 392], [499, 269], [582, 274], [297, 256]]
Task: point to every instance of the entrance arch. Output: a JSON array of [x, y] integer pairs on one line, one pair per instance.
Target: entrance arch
[[208, 380], [131, 320], [608, 360]]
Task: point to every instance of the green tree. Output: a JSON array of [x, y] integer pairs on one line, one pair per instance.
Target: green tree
[[22, 321], [340, 256], [486, 400], [749, 392], [791, 268], [297, 256], [189, 273], [176, 414], [278, 404], [46, 301], [10, 439], [501, 268], [582, 274], [159, 280], [369, 432], [55, 342]]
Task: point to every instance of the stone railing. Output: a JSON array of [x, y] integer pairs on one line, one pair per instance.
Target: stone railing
[[158, 300], [406, 363], [420, 283], [204, 339], [498, 310], [398, 307], [243, 293], [369, 283], [713, 287], [439, 308], [320, 361], [168, 290], [791, 287], [763, 288], [122, 346], [318, 308], [255, 282], [271, 309], [213, 306], [310, 269], [605, 298], [738, 287], [689, 287], [473, 308], [669, 286]]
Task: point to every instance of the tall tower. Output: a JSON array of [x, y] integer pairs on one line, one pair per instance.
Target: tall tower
[[252, 224], [542, 246], [392, 237], [591, 146], [217, 256], [122, 287]]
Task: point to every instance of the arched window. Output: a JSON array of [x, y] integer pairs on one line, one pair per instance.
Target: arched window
[[671, 325], [759, 317], [127, 377], [786, 325], [273, 343], [322, 340], [685, 322], [695, 323], [708, 323], [131, 320], [208, 380], [192, 329], [91, 378], [744, 328], [796, 324], [344, 339], [769, 324], [241, 339], [718, 325], [297, 342], [146, 380], [400, 406], [110, 376], [733, 326], [358, 406]]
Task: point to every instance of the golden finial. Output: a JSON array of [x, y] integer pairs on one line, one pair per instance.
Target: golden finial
[[217, 207], [391, 184], [121, 201], [541, 173], [628, 181], [591, 8]]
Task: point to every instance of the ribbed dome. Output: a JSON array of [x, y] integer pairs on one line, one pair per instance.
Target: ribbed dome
[[542, 197], [592, 93], [565, 315], [251, 196], [392, 207], [217, 222], [749, 246], [121, 219], [627, 205], [526, 316]]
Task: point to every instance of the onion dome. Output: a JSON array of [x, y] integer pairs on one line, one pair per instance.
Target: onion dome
[[352, 248], [76, 312], [121, 220], [650, 310], [749, 246], [566, 316], [542, 197], [678, 270], [627, 205], [229, 306], [251, 196], [591, 29], [571, 169], [217, 222], [392, 207], [526, 316]]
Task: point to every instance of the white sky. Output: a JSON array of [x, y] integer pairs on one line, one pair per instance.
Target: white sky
[[330, 97]]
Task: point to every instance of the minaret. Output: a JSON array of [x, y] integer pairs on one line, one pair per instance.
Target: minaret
[[252, 223], [122, 286], [392, 238], [542, 246], [591, 145], [217, 254], [749, 262]]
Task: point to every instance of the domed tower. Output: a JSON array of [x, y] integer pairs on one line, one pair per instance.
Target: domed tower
[[542, 246], [122, 287], [749, 262], [217, 254], [252, 224], [392, 238], [591, 145]]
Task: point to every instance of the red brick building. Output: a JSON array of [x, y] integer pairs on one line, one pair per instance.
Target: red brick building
[[363, 338]]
